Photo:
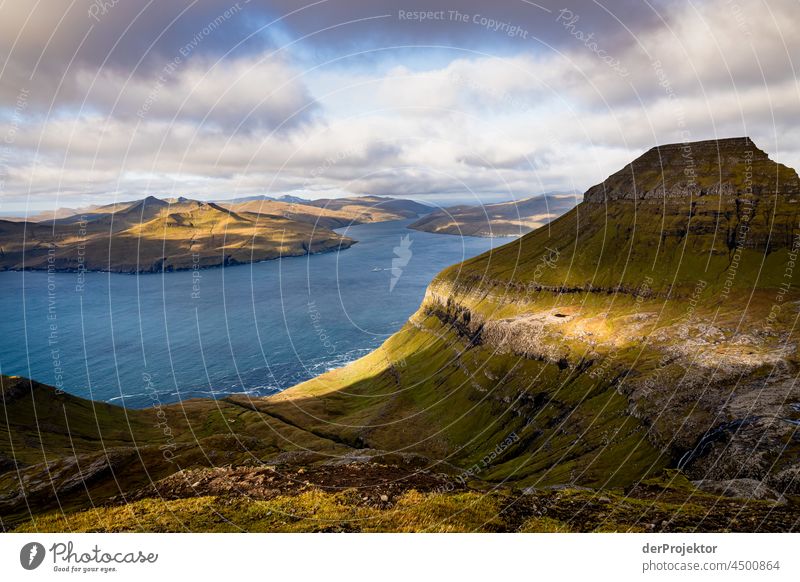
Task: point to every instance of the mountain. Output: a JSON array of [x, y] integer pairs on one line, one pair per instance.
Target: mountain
[[153, 235], [513, 218], [292, 199], [284, 198], [628, 367], [367, 207], [61, 212], [243, 199], [634, 334], [334, 213]]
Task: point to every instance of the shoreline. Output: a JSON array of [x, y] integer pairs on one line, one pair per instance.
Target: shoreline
[[340, 247]]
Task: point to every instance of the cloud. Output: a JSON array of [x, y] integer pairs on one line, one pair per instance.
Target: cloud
[[250, 92], [47, 42], [478, 114]]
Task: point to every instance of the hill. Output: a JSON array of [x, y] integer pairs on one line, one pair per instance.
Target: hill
[[58, 213], [366, 206], [333, 213], [153, 235], [490, 220], [68, 464]]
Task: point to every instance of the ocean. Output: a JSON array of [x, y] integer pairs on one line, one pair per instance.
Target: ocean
[[141, 340]]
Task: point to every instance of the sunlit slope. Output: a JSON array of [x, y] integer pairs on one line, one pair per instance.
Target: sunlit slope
[[334, 213], [631, 334], [153, 236]]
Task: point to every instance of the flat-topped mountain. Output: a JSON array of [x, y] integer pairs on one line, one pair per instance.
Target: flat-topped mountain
[[731, 167], [620, 340], [513, 218]]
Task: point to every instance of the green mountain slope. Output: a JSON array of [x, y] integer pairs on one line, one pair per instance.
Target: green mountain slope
[[633, 333], [60, 453]]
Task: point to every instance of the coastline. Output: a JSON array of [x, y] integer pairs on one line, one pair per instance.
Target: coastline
[[232, 263]]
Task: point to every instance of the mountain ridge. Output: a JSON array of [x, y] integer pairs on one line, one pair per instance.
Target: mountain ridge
[[153, 235]]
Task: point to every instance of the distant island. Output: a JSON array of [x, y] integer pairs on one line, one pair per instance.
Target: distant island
[[154, 235], [331, 212], [513, 218]]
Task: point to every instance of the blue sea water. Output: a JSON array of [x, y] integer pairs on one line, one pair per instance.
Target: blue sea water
[[137, 340]]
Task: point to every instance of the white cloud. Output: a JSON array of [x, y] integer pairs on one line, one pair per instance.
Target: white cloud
[[516, 125], [260, 92]]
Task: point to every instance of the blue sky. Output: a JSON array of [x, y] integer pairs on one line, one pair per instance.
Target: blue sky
[[104, 101]]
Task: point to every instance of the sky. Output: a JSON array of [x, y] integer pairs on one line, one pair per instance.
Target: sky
[[109, 100]]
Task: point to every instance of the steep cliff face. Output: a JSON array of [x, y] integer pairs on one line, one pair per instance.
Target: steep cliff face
[[627, 336]]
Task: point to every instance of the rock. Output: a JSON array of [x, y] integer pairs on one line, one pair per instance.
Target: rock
[[740, 488], [384, 498]]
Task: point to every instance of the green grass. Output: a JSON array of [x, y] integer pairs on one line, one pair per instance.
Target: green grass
[[668, 508]]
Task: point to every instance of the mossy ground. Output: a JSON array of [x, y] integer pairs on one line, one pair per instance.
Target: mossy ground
[[542, 511]]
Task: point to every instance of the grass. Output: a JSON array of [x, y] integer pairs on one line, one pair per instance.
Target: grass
[[543, 511], [313, 511]]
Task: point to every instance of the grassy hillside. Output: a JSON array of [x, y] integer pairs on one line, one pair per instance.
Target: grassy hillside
[[68, 464], [61, 453], [153, 235]]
